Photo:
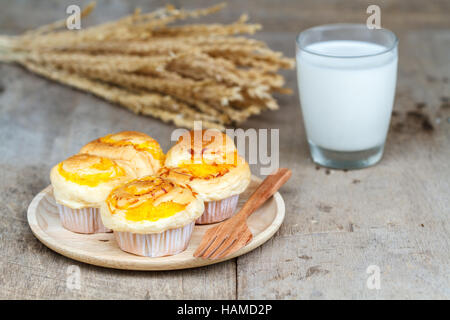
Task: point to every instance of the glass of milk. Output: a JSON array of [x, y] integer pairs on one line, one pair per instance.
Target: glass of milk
[[346, 77]]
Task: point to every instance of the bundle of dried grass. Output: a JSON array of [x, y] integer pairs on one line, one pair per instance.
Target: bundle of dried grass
[[177, 73]]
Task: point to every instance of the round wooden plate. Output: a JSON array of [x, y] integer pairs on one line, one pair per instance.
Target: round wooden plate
[[101, 249]]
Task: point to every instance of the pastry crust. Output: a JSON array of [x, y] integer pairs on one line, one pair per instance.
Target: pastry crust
[[234, 182], [84, 181], [142, 152], [194, 146], [153, 191], [210, 166]]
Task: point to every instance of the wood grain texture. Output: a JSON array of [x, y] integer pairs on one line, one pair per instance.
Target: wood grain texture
[[101, 249], [236, 233], [394, 215]]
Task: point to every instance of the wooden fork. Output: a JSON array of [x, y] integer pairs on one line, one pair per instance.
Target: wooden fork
[[233, 234]]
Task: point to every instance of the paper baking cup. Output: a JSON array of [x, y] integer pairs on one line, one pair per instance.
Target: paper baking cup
[[169, 242], [216, 211], [86, 220]]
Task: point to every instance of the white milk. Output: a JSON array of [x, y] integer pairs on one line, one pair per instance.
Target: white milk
[[346, 102]]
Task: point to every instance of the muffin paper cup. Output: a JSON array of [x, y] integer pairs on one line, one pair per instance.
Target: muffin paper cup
[[86, 220], [169, 242], [216, 211]]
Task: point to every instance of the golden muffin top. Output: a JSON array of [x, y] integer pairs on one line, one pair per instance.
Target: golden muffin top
[[142, 152], [85, 180], [205, 154], [138, 140], [150, 204], [89, 170]]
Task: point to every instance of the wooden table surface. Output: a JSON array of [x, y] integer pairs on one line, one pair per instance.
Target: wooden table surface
[[394, 215]]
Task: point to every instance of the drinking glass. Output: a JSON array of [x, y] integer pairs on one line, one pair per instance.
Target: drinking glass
[[347, 75]]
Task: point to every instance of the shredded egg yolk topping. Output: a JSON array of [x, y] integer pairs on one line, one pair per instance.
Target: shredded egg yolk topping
[[207, 160], [106, 171], [207, 169], [204, 170], [151, 212], [151, 146], [140, 201]]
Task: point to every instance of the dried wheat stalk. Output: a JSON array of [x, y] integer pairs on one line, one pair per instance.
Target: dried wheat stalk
[[178, 74]]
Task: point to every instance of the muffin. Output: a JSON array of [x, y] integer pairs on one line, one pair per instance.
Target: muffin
[[152, 216], [139, 150], [208, 162], [80, 184]]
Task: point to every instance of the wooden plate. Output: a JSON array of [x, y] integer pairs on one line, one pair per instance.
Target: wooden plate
[[102, 250]]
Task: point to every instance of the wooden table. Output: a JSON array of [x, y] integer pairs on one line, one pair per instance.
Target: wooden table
[[394, 215]]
